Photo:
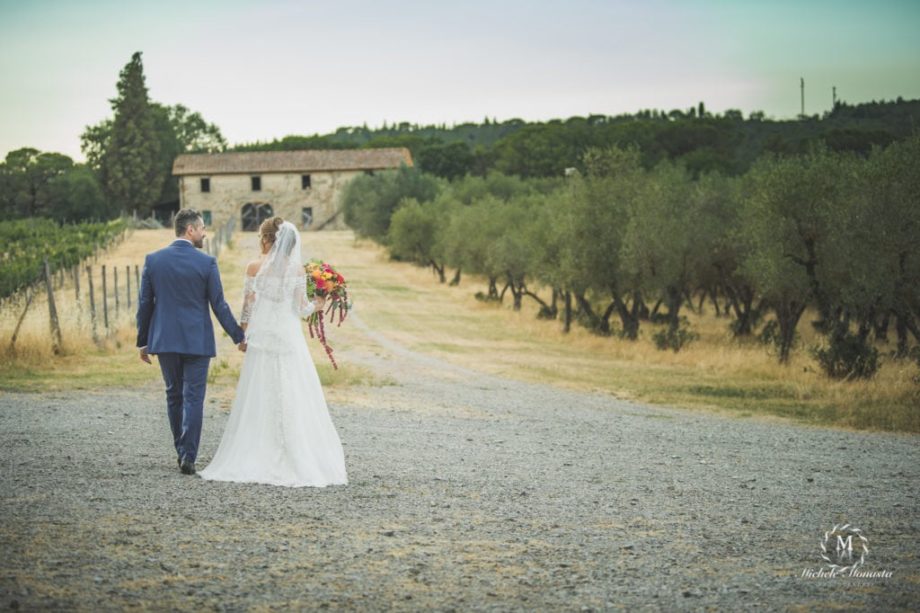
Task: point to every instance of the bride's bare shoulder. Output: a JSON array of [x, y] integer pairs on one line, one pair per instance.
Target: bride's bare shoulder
[[253, 267]]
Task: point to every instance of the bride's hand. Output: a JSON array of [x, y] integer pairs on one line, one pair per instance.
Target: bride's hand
[[319, 302]]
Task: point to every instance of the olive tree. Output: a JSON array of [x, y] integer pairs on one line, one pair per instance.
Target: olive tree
[[416, 232]]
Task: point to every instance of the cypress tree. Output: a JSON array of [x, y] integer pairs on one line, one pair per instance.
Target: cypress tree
[[130, 172]]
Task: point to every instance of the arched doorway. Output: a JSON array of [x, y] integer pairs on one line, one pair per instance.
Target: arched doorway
[[254, 214]]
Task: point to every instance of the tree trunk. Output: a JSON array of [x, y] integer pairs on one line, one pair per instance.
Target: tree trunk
[[439, 270], [881, 327], [714, 298], [605, 318], [788, 315], [567, 325], [546, 311], [639, 307], [900, 326], [866, 324], [456, 280], [741, 300], [824, 307], [493, 289], [595, 323], [518, 289], [675, 301], [689, 299], [911, 324], [901, 310], [629, 317]]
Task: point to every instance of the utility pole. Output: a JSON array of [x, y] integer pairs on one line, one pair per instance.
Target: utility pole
[[802, 114]]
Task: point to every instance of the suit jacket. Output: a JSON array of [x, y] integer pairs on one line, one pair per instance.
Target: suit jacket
[[178, 285]]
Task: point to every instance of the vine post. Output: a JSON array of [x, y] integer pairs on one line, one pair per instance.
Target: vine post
[[56, 341], [92, 304], [76, 282], [105, 300], [115, 286], [29, 296]]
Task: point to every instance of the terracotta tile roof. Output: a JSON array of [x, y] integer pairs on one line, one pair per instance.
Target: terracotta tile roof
[[254, 162]]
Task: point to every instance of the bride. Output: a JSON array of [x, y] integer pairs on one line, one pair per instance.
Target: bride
[[279, 431]]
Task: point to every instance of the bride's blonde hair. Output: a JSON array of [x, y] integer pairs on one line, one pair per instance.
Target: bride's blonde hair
[[269, 229]]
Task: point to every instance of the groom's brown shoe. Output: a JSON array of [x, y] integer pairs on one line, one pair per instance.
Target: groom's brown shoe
[[187, 467]]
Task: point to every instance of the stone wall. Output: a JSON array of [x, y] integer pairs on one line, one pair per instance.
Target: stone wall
[[282, 191]]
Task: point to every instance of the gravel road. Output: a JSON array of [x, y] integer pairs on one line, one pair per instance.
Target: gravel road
[[467, 492]]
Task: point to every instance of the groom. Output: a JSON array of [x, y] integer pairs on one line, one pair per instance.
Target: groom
[[173, 323]]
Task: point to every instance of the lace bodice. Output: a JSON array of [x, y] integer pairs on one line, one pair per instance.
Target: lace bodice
[[300, 305], [249, 299]]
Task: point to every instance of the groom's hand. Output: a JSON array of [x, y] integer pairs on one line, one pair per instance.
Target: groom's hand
[[144, 356], [242, 346]]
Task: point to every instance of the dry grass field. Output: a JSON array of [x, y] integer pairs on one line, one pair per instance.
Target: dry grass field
[[407, 304], [715, 372], [113, 361]]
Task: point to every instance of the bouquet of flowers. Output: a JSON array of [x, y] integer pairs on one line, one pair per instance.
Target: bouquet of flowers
[[324, 280]]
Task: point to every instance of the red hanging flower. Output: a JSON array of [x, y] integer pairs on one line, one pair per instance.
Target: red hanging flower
[[323, 280]]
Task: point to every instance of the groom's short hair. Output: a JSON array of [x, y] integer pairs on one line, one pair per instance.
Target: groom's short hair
[[186, 218]]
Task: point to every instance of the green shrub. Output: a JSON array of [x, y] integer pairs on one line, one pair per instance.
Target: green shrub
[[847, 357], [675, 339]]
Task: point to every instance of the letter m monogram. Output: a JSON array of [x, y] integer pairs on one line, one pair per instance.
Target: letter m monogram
[[845, 545]]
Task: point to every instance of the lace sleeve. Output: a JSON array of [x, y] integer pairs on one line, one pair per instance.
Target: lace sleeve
[[302, 305], [249, 298]]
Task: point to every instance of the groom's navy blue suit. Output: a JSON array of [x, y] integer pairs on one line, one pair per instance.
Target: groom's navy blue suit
[[178, 286]]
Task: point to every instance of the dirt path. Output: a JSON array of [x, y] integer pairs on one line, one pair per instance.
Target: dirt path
[[467, 491]]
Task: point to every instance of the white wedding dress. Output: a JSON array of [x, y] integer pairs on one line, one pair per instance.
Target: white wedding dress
[[279, 431]]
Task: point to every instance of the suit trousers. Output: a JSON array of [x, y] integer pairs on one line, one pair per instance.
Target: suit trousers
[[186, 378]]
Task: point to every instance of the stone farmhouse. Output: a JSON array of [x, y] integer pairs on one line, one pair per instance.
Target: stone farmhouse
[[303, 187]]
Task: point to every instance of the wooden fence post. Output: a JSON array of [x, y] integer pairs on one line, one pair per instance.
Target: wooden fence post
[[128, 284], [92, 304], [52, 311], [115, 284], [105, 300], [76, 281], [137, 280], [29, 296]]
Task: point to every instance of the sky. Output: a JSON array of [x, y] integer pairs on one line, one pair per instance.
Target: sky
[[265, 69]]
